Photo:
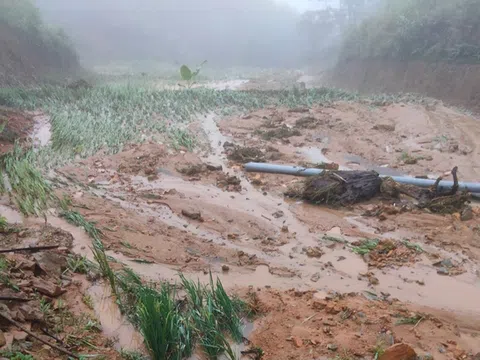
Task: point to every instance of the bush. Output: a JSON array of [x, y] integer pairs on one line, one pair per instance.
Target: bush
[[446, 30]]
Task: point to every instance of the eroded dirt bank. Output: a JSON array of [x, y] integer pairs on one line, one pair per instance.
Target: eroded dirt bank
[[456, 84], [319, 289]]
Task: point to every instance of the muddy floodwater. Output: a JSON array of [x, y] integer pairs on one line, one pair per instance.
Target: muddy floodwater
[[162, 211]]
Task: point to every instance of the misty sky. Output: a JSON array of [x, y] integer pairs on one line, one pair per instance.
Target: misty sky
[[305, 5]]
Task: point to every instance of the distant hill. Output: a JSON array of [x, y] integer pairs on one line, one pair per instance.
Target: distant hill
[[30, 50]]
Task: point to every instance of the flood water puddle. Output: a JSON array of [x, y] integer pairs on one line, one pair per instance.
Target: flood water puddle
[[114, 324], [41, 130]]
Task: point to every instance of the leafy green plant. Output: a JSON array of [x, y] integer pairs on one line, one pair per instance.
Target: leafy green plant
[[189, 75], [3, 223], [166, 334], [365, 247]]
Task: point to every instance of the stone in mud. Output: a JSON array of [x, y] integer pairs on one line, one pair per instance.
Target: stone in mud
[[467, 214], [443, 271], [384, 127], [47, 288], [332, 347], [278, 214], [3, 340], [192, 214], [225, 268], [297, 342], [399, 352], [30, 313], [213, 167], [314, 252], [315, 277], [319, 305]]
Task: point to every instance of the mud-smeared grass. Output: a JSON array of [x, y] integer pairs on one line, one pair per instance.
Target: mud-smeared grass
[[170, 325], [365, 247], [24, 182], [110, 116]]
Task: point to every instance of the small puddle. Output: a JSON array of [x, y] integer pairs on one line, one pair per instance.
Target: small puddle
[[315, 155], [13, 216], [41, 130], [114, 324]]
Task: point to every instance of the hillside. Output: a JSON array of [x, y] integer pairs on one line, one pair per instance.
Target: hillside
[[425, 46], [30, 50]]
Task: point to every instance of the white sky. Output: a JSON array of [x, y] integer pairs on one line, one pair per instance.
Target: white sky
[[304, 5]]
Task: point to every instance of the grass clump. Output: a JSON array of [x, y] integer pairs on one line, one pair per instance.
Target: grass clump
[[413, 246], [24, 182], [365, 247], [166, 334]]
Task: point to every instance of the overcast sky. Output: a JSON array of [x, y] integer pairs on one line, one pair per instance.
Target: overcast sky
[[304, 5]]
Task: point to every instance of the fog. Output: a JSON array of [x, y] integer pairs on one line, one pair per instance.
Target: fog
[[261, 33]]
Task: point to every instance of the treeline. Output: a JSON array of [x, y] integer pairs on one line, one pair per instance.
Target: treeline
[[28, 46], [431, 30]]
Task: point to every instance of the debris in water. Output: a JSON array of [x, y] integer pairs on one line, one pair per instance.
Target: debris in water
[[341, 187], [243, 154], [192, 214]]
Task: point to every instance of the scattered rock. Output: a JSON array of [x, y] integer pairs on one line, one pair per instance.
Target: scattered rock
[[314, 252], [315, 277], [278, 214], [443, 271], [225, 268], [319, 305], [212, 167], [298, 110], [19, 335], [467, 214], [332, 347], [192, 214], [399, 352], [384, 127], [297, 342], [47, 288]]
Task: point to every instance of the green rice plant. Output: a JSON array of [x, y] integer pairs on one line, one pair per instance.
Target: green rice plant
[[75, 218], [3, 224], [196, 292], [365, 247], [132, 355], [209, 331], [412, 320], [166, 334], [103, 262], [79, 264], [226, 310], [182, 138], [413, 246], [28, 187]]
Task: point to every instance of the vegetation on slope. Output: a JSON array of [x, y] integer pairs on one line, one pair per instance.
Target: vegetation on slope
[[433, 30], [30, 49]]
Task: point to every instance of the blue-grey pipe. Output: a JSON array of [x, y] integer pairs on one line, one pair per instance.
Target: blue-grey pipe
[[301, 171]]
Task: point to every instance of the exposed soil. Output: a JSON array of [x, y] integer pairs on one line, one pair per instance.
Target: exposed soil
[[42, 294], [456, 84], [16, 126], [162, 211]]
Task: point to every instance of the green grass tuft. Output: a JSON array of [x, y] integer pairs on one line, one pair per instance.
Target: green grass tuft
[[365, 247]]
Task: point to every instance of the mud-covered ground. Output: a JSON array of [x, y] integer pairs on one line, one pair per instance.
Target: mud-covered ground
[[319, 293]]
